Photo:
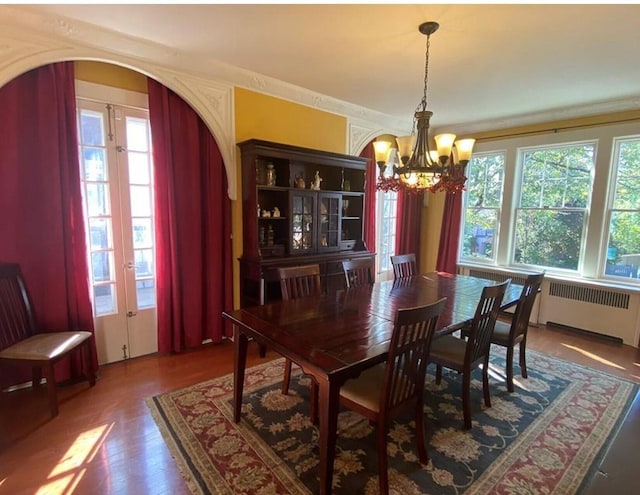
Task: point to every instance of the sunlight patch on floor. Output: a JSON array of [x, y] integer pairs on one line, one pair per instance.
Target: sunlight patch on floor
[[66, 475], [497, 373], [593, 356]]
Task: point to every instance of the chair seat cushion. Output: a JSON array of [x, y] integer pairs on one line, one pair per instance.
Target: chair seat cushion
[[44, 346], [448, 351], [501, 333], [366, 388]]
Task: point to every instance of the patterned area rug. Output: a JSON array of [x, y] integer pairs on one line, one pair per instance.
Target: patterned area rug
[[545, 438]]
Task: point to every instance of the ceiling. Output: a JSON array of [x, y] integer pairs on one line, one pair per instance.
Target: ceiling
[[488, 63]]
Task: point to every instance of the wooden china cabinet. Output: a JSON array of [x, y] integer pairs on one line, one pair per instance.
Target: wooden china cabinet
[[287, 221]]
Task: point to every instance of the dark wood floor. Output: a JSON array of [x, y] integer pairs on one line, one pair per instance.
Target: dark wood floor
[[105, 442]]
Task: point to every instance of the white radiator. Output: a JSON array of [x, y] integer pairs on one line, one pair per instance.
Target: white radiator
[[613, 312]]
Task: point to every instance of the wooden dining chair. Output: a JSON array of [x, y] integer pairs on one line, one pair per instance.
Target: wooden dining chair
[[22, 344], [404, 265], [511, 334], [381, 392], [358, 272], [463, 355], [296, 282]]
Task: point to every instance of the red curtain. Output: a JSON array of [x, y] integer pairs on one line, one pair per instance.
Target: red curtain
[[408, 221], [450, 233], [41, 220], [193, 225], [370, 197]]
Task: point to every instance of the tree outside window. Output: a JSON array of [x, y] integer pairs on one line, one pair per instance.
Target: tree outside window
[[623, 248], [482, 207], [552, 213]]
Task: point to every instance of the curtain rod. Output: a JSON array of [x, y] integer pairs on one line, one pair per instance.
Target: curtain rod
[[554, 130]]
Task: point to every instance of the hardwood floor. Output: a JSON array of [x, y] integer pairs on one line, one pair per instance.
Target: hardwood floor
[[105, 442]]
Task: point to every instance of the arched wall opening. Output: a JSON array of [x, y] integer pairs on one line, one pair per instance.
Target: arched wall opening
[[212, 101]]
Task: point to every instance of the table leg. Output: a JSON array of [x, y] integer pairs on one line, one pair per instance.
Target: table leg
[[240, 342], [328, 405]]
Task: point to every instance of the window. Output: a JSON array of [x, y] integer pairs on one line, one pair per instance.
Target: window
[[570, 203], [623, 247], [554, 195], [386, 229], [386, 215], [482, 206]]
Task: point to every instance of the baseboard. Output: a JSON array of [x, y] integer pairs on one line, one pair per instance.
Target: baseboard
[[608, 338]]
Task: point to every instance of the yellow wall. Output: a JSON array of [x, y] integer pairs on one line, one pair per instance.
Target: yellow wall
[[111, 75], [263, 117]]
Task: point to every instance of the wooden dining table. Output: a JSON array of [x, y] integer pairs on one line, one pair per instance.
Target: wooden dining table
[[336, 336]]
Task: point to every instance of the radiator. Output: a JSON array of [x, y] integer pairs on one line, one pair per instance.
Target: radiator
[[606, 311], [610, 312]]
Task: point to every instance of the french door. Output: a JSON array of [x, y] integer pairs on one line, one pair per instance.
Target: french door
[[117, 179]]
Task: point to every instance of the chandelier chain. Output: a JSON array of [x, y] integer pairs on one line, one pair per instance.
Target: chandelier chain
[[426, 75]]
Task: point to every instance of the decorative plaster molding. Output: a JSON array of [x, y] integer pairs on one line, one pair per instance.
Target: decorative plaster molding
[[360, 133]]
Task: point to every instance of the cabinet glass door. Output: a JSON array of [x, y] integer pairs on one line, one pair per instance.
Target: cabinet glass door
[[329, 222], [302, 222]]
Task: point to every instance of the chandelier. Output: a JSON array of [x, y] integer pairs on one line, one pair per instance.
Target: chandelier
[[424, 168]]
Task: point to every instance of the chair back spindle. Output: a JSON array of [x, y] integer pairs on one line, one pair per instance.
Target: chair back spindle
[[404, 265], [484, 320], [524, 307], [409, 353], [299, 281], [358, 272], [16, 319]]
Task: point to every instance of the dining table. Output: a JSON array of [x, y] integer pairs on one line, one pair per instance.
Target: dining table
[[336, 336]]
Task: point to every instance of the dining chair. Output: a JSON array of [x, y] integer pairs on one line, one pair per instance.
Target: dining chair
[[404, 265], [381, 392], [464, 355], [23, 344], [297, 282], [358, 272], [511, 334]]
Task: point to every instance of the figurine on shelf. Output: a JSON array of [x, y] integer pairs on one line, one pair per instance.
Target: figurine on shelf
[[271, 175], [276, 212], [315, 185], [299, 182]]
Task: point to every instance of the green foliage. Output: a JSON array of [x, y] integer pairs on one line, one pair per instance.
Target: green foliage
[[484, 186], [624, 235], [556, 185]]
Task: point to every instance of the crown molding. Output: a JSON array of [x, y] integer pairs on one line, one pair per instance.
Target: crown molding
[[558, 114]]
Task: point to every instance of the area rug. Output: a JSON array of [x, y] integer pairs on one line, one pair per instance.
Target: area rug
[[545, 438]]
